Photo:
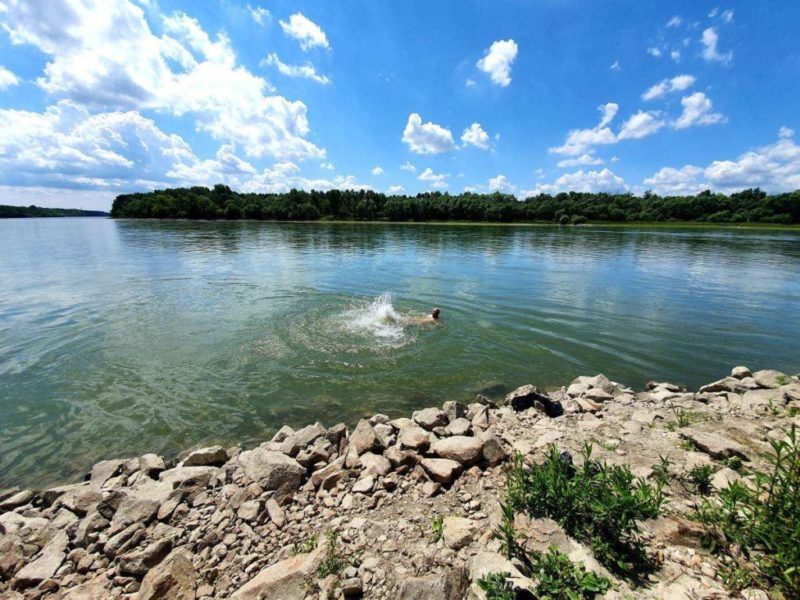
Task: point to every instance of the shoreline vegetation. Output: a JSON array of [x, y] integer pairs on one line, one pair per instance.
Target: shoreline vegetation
[[752, 206], [592, 490], [32, 211]]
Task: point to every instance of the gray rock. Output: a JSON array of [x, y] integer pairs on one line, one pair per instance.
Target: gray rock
[[174, 579], [188, 476], [301, 438], [45, 565], [12, 555], [428, 418], [79, 498], [375, 464], [249, 510], [741, 372], [364, 439], [727, 384], [454, 410], [458, 532], [212, 456], [458, 426], [716, 445], [105, 470], [276, 514], [151, 465], [769, 378], [134, 509], [414, 438], [724, 478], [448, 585], [763, 399], [493, 451], [119, 542], [400, 457], [364, 485], [285, 580], [441, 470], [320, 475], [282, 433], [21, 498], [139, 562], [465, 450], [272, 470]]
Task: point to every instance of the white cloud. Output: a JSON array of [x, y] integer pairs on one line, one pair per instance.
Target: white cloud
[[306, 71], [259, 14], [498, 60], [582, 181], [407, 166], [103, 54], [675, 21], [710, 40], [584, 159], [426, 138], [7, 78], [395, 190], [436, 180], [474, 135], [328, 166], [675, 55], [615, 66], [666, 86], [377, 171], [785, 132], [775, 167], [580, 140], [656, 52], [469, 82], [641, 125], [307, 33], [727, 16], [697, 111], [501, 184]]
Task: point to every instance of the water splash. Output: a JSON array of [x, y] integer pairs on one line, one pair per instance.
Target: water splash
[[377, 318]]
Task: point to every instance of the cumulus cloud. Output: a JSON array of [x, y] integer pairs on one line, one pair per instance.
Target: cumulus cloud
[[426, 138], [654, 52], [377, 170], [580, 140], [307, 33], [584, 159], [306, 71], [259, 14], [501, 184], [436, 180], [474, 135], [675, 21], [397, 190], [641, 125], [407, 166], [328, 166], [582, 181], [615, 66], [7, 78], [666, 86], [697, 110], [710, 40], [498, 60], [103, 54], [775, 167]]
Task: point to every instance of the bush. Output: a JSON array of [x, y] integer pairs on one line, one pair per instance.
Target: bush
[[756, 531], [700, 478], [597, 503]]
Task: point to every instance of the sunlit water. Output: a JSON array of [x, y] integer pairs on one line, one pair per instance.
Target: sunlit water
[[119, 338]]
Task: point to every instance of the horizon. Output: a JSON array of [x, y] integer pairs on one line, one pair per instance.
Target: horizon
[[102, 99]]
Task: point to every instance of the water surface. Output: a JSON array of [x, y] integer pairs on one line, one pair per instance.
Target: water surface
[[124, 337]]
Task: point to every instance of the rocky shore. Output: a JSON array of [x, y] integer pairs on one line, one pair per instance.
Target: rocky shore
[[396, 509]]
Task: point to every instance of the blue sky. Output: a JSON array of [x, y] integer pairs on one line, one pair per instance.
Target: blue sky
[[101, 97]]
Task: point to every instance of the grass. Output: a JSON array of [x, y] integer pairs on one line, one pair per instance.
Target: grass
[[688, 444], [661, 471], [333, 563], [756, 530], [305, 546], [437, 525], [699, 478], [782, 379], [596, 503]]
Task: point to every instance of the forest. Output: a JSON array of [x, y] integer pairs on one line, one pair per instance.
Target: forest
[[220, 202], [20, 212]]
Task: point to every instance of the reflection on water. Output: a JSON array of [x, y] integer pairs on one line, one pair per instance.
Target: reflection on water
[[118, 338]]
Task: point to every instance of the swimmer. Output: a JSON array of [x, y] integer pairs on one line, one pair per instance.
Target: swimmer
[[432, 318]]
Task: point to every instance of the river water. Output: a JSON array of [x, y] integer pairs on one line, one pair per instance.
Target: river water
[[124, 337]]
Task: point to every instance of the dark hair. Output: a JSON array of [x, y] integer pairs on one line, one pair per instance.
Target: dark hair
[[435, 313]]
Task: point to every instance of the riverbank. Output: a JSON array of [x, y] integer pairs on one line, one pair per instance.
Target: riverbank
[[400, 509]]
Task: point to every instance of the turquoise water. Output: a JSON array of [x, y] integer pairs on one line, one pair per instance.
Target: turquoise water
[[122, 337]]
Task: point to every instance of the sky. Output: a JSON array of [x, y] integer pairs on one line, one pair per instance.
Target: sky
[[102, 97]]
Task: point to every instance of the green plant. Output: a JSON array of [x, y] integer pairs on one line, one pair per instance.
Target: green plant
[[497, 586], [596, 503], [756, 529], [305, 546], [735, 463], [508, 536], [700, 478], [437, 525], [781, 379], [558, 578], [661, 470], [689, 445], [333, 563]]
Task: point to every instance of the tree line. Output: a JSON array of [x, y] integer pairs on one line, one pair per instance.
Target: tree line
[[220, 202], [20, 212]]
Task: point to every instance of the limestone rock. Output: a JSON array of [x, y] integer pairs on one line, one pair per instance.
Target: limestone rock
[[272, 470], [188, 476], [212, 456], [428, 418], [285, 580], [139, 562], [375, 464], [458, 426], [45, 565], [493, 451], [465, 450], [173, 579], [364, 439], [132, 510], [276, 514], [769, 378], [716, 445], [441, 470], [414, 437], [19, 499], [724, 478], [448, 585], [151, 464], [741, 372], [458, 532], [454, 410]]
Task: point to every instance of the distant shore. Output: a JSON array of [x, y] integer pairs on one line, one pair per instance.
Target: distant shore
[[32, 212]]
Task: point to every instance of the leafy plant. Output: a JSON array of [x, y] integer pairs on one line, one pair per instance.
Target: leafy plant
[[781, 379], [333, 563], [689, 445], [497, 586], [735, 463], [661, 470], [558, 578], [437, 525], [700, 478], [305, 546], [596, 503], [756, 530]]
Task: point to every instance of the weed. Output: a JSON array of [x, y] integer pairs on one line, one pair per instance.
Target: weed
[[700, 478], [558, 578], [497, 587], [333, 563], [437, 525], [735, 463], [782, 379], [305, 546], [661, 471], [689, 445], [755, 529], [596, 503]]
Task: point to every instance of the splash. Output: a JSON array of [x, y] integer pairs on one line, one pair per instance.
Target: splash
[[377, 318]]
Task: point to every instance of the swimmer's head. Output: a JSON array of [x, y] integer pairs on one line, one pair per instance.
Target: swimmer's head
[[435, 313]]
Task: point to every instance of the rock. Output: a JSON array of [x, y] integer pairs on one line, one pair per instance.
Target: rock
[[249, 510], [428, 418], [119, 542], [212, 456], [465, 450], [577, 389], [151, 465], [94, 589], [375, 464], [414, 437], [352, 587], [716, 445], [484, 563], [529, 396], [458, 426], [598, 395], [301, 438], [285, 580], [588, 405], [458, 532], [454, 410], [132, 510], [441, 470], [188, 476], [275, 512], [364, 485], [400, 457], [674, 530], [21, 498], [105, 470], [272, 470], [762, 399], [45, 565], [139, 562], [741, 372], [12, 555], [448, 585], [724, 478], [493, 451], [364, 439], [79, 498], [769, 378], [728, 384], [174, 579]]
